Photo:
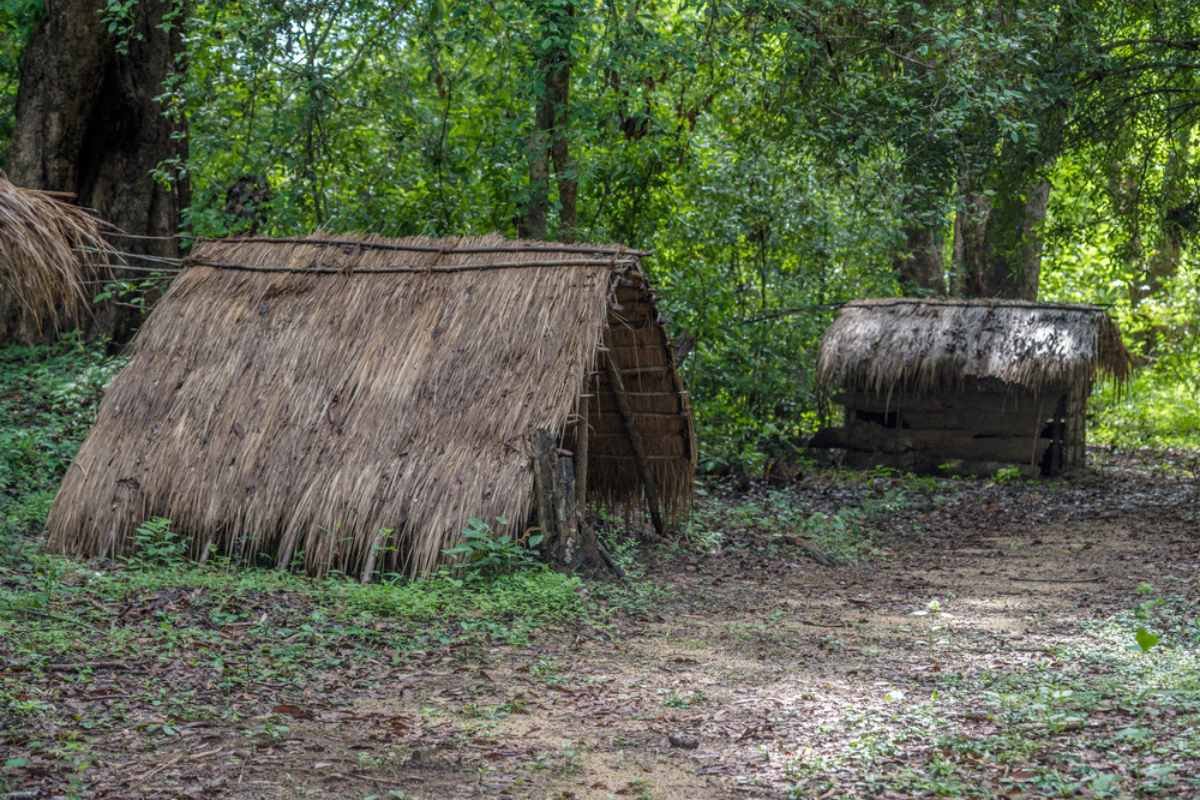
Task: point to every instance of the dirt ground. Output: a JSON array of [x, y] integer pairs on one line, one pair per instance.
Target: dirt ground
[[936, 666]]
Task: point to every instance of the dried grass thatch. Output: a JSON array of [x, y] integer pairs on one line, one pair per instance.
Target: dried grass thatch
[[49, 251], [312, 399], [893, 345]]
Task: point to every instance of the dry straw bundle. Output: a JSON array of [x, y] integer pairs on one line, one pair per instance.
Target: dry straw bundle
[[349, 404], [49, 251], [893, 345]]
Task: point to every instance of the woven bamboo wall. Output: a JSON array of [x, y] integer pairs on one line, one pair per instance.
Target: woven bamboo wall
[[639, 347]]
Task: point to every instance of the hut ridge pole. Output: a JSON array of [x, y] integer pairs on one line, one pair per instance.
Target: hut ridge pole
[[635, 441]]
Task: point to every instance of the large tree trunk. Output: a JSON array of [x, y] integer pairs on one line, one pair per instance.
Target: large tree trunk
[[549, 143], [921, 265], [87, 122], [998, 243]]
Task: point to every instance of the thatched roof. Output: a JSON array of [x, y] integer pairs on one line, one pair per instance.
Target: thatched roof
[[892, 345], [309, 399], [50, 251]]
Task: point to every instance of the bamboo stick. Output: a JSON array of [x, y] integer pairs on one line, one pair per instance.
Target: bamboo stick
[[432, 269], [581, 453], [635, 441], [418, 248]]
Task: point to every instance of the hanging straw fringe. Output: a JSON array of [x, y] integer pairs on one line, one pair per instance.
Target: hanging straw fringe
[[48, 249], [888, 346]]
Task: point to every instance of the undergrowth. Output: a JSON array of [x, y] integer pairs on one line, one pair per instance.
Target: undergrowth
[[1100, 716], [846, 535], [1154, 410]]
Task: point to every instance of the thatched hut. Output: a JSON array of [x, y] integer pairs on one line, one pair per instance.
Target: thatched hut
[[980, 384], [351, 403], [52, 255]]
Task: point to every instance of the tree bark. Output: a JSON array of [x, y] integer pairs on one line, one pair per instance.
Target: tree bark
[[88, 122], [999, 244], [555, 495], [921, 266], [549, 144]]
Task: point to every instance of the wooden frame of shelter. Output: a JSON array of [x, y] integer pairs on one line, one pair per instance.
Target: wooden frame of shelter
[[975, 385], [350, 403]]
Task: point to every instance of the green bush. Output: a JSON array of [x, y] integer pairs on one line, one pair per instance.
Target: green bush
[[157, 545], [485, 554], [1156, 410]]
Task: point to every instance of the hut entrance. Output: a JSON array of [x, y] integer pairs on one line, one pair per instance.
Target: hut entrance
[[1055, 430]]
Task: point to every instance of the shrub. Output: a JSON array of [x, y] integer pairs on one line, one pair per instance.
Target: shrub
[[484, 553]]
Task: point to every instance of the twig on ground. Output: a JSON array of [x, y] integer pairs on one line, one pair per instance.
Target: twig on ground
[[1058, 580], [168, 763], [67, 667]]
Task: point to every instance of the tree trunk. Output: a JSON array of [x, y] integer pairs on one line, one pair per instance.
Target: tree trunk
[[921, 265], [970, 226], [88, 123], [533, 222], [1177, 219], [998, 243], [549, 143]]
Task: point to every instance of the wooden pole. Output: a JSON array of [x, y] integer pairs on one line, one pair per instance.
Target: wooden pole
[[545, 481], [590, 548], [635, 441], [581, 453], [554, 488]]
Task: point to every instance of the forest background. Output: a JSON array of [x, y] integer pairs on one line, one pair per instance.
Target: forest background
[[778, 157]]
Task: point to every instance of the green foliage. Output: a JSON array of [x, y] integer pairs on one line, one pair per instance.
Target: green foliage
[[485, 554], [120, 23], [844, 536], [157, 546], [1007, 475], [17, 19], [48, 398], [1156, 411], [1146, 640], [134, 294]]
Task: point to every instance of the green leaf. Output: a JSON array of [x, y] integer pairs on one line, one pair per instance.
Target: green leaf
[[1146, 640], [16, 763]]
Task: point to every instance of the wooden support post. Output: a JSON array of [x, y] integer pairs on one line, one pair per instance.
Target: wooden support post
[[590, 548], [554, 488], [581, 452], [635, 441]]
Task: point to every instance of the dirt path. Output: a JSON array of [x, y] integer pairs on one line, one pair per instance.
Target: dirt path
[[969, 659]]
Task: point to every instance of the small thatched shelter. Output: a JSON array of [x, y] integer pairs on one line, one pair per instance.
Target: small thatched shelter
[[980, 384], [52, 258], [350, 403]]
